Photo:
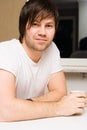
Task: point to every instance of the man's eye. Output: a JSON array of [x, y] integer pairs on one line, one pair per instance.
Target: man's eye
[[49, 26], [35, 24]]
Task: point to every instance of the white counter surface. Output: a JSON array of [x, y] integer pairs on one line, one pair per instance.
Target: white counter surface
[[56, 123], [75, 65]]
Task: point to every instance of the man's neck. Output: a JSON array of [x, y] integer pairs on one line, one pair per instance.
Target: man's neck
[[32, 54]]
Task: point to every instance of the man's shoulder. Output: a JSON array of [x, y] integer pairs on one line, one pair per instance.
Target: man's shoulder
[[4, 43], [9, 45], [9, 48], [53, 47]]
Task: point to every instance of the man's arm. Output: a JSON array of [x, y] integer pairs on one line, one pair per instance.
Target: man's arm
[[15, 109], [56, 88]]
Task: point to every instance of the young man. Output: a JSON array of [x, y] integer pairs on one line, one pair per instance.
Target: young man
[[32, 63]]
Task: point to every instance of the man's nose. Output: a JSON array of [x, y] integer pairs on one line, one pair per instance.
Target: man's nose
[[42, 30]]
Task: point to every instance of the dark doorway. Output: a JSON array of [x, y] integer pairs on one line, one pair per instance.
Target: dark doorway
[[64, 38]]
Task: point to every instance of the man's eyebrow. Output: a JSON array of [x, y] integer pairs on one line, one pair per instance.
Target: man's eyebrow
[[50, 22]]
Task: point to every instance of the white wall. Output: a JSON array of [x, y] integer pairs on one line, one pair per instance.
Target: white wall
[[75, 73], [76, 81], [82, 19]]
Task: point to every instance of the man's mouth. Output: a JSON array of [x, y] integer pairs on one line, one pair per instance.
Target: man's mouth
[[41, 39]]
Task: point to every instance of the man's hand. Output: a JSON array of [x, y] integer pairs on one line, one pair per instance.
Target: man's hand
[[72, 104]]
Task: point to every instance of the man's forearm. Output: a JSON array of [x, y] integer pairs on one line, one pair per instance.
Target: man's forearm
[[20, 109], [50, 96]]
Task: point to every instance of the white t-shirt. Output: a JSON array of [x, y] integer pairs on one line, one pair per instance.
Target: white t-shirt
[[31, 78]]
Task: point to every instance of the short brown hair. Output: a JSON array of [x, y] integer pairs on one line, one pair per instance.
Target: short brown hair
[[36, 9]]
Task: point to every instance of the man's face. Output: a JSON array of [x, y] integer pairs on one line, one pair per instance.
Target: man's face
[[40, 35]]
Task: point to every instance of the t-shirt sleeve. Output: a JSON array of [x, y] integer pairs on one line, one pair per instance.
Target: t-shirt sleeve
[[7, 61]]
